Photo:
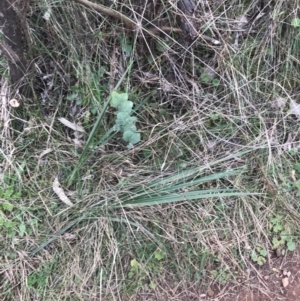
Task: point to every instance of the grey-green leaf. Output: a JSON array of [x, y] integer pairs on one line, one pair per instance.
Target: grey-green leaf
[[118, 98], [132, 137], [126, 107]]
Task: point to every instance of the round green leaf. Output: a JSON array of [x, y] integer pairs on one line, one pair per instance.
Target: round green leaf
[[121, 118], [7, 206], [291, 246], [263, 252], [130, 127], [159, 255], [118, 98], [205, 78], [131, 120], [254, 256], [260, 260], [216, 82], [126, 107], [135, 138], [295, 22], [22, 229], [131, 137]]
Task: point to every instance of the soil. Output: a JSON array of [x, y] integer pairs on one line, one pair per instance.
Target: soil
[[278, 280], [265, 283], [12, 46]]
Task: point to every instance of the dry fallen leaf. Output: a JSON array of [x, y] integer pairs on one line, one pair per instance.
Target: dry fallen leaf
[[71, 125], [60, 193], [14, 103], [278, 103], [285, 281], [295, 108], [45, 152], [242, 21], [69, 236], [287, 146]]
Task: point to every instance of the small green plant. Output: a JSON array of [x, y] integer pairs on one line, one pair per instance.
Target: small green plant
[[139, 272], [159, 255], [11, 218], [81, 93], [9, 193], [209, 78], [136, 275], [296, 178], [126, 45], [221, 275], [125, 122], [38, 280], [291, 180], [281, 235], [295, 22], [259, 255], [135, 269], [6, 207]]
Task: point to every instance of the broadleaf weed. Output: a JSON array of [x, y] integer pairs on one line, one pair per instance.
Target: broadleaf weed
[[124, 121]]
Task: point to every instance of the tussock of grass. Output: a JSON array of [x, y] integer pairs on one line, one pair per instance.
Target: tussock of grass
[[108, 244]]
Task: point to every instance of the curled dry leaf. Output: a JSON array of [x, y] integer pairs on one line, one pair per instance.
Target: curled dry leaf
[[45, 152], [242, 21], [285, 281], [69, 236], [295, 108], [287, 146], [47, 15], [278, 103], [60, 193], [14, 103], [210, 71], [71, 125], [78, 143]]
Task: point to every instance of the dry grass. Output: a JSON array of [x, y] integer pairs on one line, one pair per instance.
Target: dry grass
[[185, 122]]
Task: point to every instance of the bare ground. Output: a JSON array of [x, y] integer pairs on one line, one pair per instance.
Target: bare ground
[[264, 283]]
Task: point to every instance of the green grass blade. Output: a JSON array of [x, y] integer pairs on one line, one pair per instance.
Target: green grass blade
[[186, 174], [181, 182], [202, 180], [83, 156], [180, 197], [57, 235]]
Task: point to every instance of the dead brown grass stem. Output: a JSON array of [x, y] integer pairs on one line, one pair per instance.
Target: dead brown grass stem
[[131, 25]]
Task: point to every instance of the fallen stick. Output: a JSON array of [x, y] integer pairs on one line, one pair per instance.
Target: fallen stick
[[130, 24]]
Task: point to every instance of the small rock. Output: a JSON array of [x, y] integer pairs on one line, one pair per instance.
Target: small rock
[[266, 277], [285, 281], [278, 252], [210, 292]]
